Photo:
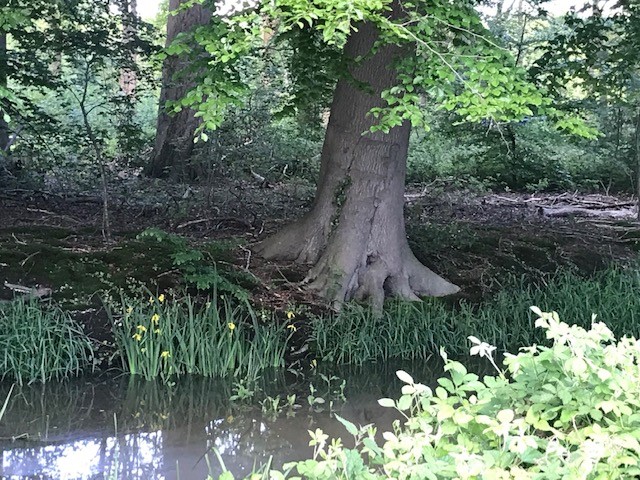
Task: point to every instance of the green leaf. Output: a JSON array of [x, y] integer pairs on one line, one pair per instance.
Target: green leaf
[[386, 402], [351, 428], [404, 377], [405, 402]]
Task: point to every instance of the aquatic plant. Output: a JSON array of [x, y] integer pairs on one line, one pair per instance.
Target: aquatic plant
[[162, 337], [40, 342], [569, 410], [416, 330]]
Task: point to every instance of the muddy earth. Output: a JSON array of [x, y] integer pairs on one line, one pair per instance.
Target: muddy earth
[[55, 241]]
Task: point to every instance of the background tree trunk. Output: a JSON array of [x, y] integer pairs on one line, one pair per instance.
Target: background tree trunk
[[128, 77], [355, 232], [174, 134], [4, 128]]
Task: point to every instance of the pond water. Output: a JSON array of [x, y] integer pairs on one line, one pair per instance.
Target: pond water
[[125, 428]]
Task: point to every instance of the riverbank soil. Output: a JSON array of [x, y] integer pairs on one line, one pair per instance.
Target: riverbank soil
[[55, 240]]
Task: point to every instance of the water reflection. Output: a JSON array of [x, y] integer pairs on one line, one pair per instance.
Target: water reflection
[[129, 456], [123, 428]]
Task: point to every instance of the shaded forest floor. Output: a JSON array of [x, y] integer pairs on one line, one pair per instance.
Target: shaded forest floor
[[480, 242]]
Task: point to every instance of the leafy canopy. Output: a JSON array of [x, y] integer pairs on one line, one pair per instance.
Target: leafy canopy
[[600, 54], [454, 62], [61, 54]]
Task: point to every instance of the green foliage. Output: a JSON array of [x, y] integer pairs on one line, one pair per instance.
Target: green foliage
[[64, 65], [262, 135], [455, 62], [564, 411], [272, 407], [165, 337], [39, 343], [328, 392], [526, 156], [417, 330], [195, 265]]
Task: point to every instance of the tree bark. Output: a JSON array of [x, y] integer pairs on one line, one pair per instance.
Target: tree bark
[[4, 127], [637, 152], [355, 232], [128, 77], [174, 134]]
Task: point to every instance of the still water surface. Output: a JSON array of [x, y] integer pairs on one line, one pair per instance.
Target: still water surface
[[122, 428]]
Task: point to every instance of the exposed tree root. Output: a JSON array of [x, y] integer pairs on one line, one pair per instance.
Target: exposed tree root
[[349, 266], [302, 241], [372, 277]]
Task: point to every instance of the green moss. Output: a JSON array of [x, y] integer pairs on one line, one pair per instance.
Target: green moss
[[40, 232], [52, 257]]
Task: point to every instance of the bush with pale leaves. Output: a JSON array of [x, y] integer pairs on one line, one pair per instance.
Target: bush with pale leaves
[[566, 411]]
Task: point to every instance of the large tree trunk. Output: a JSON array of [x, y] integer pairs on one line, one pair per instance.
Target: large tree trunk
[[174, 134], [355, 233]]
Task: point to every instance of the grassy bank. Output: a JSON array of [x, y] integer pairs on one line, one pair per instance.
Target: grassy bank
[[40, 342], [158, 336], [417, 330], [163, 336]]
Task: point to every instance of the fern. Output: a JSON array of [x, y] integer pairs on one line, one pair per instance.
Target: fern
[[196, 266]]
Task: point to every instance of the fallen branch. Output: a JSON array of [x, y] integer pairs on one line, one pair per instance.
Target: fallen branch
[[53, 214], [22, 263], [584, 212], [246, 267], [193, 222], [410, 197], [36, 292]]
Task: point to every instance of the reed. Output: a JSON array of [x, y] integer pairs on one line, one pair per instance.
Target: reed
[[40, 342], [417, 330], [161, 337]]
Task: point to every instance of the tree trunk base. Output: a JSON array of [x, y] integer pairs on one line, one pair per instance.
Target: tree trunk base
[[359, 271]]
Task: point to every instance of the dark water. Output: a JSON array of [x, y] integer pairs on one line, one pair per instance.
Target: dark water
[[122, 428]]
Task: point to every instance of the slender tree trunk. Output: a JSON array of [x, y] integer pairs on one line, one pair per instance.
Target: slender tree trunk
[[4, 127], [355, 232], [637, 139], [174, 133]]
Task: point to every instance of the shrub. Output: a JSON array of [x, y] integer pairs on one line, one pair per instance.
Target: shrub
[[197, 266], [566, 411], [40, 343]]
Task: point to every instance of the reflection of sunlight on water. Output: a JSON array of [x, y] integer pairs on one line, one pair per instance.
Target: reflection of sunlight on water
[[130, 456], [170, 432], [230, 442]]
